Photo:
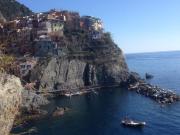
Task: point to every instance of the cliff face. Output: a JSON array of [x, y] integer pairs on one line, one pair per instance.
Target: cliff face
[[11, 9], [103, 66], [2, 19], [10, 99]]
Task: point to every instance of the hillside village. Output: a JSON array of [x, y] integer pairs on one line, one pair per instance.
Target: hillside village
[[52, 33]]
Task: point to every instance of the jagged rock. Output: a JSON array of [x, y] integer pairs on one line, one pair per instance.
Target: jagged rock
[[30, 108], [70, 74], [10, 100], [133, 78], [31, 102], [148, 76], [2, 19], [135, 83], [58, 112], [32, 130]]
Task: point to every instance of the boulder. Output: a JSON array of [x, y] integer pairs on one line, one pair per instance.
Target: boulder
[[59, 111], [10, 100], [148, 76], [31, 102]]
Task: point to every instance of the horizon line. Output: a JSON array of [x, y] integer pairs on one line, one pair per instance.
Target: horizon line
[[152, 52]]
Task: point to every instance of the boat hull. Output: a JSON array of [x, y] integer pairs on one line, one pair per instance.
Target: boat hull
[[133, 124]]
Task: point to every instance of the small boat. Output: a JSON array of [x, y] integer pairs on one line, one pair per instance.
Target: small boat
[[68, 94], [132, 123]]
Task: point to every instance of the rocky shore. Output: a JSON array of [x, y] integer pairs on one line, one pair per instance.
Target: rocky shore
[[32, 102], [74, 64], [31, 107], [156, 93]]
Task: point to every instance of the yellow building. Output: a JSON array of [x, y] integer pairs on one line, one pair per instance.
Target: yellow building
[[57, 25], [57, 28]]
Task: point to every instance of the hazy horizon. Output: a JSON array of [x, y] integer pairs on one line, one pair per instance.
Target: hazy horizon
[[153, 52], [136, 26]]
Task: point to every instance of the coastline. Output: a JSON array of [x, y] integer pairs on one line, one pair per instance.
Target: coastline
[[135, 84], [76, 91]]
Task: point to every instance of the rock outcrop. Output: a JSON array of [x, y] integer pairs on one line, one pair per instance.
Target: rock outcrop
[[2, 19], [30, 108], [103, 67], [162, 96], [32, 101], [10, 100]]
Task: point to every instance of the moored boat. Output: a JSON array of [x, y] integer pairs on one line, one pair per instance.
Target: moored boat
[[132, 123]]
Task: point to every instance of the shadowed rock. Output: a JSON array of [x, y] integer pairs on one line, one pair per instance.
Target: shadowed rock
[[148, 76]]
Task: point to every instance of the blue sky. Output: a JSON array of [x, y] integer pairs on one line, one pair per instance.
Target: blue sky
[[136, 25]]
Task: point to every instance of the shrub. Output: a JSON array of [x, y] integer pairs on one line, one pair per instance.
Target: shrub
[[6, 62]]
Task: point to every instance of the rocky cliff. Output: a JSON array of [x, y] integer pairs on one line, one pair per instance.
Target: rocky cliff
[[11, 9], [2, 19], [98, 65], [10, 99]]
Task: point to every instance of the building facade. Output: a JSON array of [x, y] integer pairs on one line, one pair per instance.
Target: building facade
[[44, 48], [91, 23]]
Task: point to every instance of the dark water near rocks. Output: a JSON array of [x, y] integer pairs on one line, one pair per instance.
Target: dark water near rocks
[[101, 114]]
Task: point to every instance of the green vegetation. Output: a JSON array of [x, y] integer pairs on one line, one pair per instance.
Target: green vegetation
[[6, 62], [11, 9]]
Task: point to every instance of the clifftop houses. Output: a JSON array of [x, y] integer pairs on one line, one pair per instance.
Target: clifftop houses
[[52, 24], [42, 34]]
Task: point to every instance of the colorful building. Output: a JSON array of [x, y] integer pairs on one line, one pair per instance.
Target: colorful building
[[91, 23], [57, 28], [51, 27], [54, 14], [24, 34], [44, 28]]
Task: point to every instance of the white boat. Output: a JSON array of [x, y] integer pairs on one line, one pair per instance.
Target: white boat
[[132, 123], [68, 95]]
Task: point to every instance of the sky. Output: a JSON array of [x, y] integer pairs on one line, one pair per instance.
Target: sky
[[135, 25]]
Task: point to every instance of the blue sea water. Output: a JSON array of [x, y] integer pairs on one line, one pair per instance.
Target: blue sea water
[[101, 114]]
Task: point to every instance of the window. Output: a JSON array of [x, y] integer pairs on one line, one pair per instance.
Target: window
[[22, 66], [28, 66]]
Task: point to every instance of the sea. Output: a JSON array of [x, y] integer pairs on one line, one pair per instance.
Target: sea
[[101, 113]]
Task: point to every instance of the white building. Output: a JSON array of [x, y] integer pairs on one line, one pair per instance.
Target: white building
[[51, 27], [44, 28]]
